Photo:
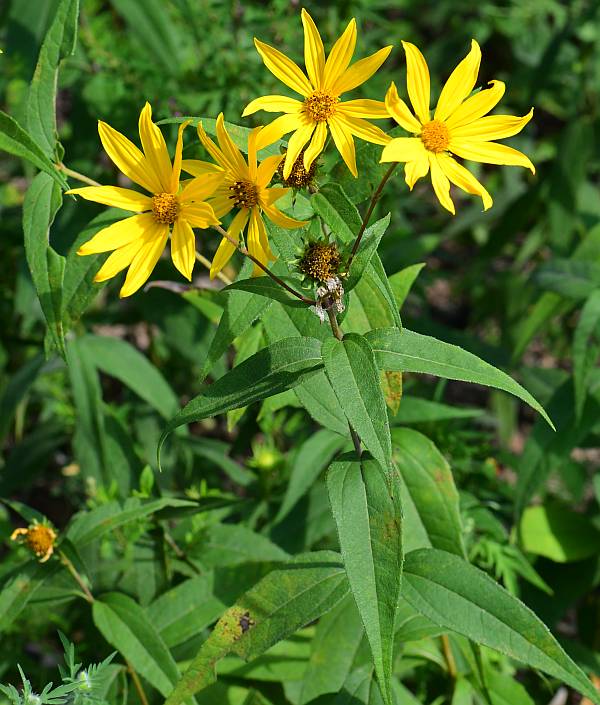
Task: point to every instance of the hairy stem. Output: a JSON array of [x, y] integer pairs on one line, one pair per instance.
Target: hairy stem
[[76, 175], [240, 247], [338, 334], [369, 212], [78, 579]]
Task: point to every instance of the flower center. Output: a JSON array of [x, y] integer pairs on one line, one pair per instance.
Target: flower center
[[320, 261], [165, 207], [244, 194], [435, 136], [320, 105], [40, 539], [298, 177]]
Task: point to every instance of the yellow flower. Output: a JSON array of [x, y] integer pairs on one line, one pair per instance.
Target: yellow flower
[[39, 538], [458, 128], [321, 90], [138, 241], [243, 186]]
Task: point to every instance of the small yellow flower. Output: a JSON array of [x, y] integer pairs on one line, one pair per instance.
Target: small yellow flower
[[243, 186], [39, 538], [321, 90], [139, 241], [458, 128]]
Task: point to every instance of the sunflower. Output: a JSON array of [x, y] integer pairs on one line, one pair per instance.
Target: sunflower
[[244, 186], [458, 128], [321, 89], [138, 241]]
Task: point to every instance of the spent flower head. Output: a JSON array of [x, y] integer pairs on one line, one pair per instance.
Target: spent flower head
[[458, 128], [138, 242], [321, 110], [39, 538]]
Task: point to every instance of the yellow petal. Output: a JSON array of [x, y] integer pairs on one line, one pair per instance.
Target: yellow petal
[[492, 127], [183, 248], [314, 54], [212, 149], [364, 130], [199, 215], [230, 150], [460, 84], [416, 169], [221, 205], [262, 236], [403, 149], [463, 178], [440, 182], [252, 149], [128, 158], [276, 129], [253, 241], [490, 153], [316, 145], [374, 109], [340, 56], [344, 142], [200, 188], [273, 104], [417, 81], [176, 171], [283, 220], [360, 71], [398, 109], [477, 105], [145, 260], [155, 148], [119, 234], [196, 167], [283, 68], [226, 248], [266, 170], [118, 260], [114, 196], [295, 145], [270, 195]]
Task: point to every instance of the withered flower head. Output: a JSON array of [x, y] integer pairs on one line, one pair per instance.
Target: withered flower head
[[39, 539]]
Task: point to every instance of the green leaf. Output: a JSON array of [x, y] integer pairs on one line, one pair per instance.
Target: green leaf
[[233, 544], [281, 603], [350, 367], [429, 481], [270, 371], [312, 458], [19, 588], [126, 627], [42, 201], [15, 140], [556, 532], [59, 43], [267, 287], [369, 305], [15, 390], [464, 599], [365, 500], [585, 351], [408, 351], [415, 410], [121, 360], [402, 281], [368, 247], [338, 636], [570, 278]]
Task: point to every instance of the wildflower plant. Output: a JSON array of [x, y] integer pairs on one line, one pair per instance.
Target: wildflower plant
[[304, 299]]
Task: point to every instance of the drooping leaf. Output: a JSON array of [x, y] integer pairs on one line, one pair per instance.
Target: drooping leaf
[[270, 371], [368, 247], [58, 44], [402, 281], [571, 278], [268, 288], [408, 351], [464, 599], [365, 500], [429, 481], [281, 603], [350, 368], [126, 627]]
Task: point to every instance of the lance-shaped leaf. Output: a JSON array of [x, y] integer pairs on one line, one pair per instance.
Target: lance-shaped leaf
[[408, 351], [270, 371], [15, 140], [267, 287], [428, 479], [350, 367], [464, 599], [368, 247], [365, 501], [281, 603]]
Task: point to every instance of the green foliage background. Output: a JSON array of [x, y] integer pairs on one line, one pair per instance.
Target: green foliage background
[[517, 286]]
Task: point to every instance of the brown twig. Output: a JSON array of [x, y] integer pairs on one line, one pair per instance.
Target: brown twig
[[240, 247], [338, 334], [369, 212]]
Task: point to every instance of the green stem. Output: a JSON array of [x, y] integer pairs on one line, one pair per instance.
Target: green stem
[[206, 262], [76, 175], [448, 656], [77, 577]]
